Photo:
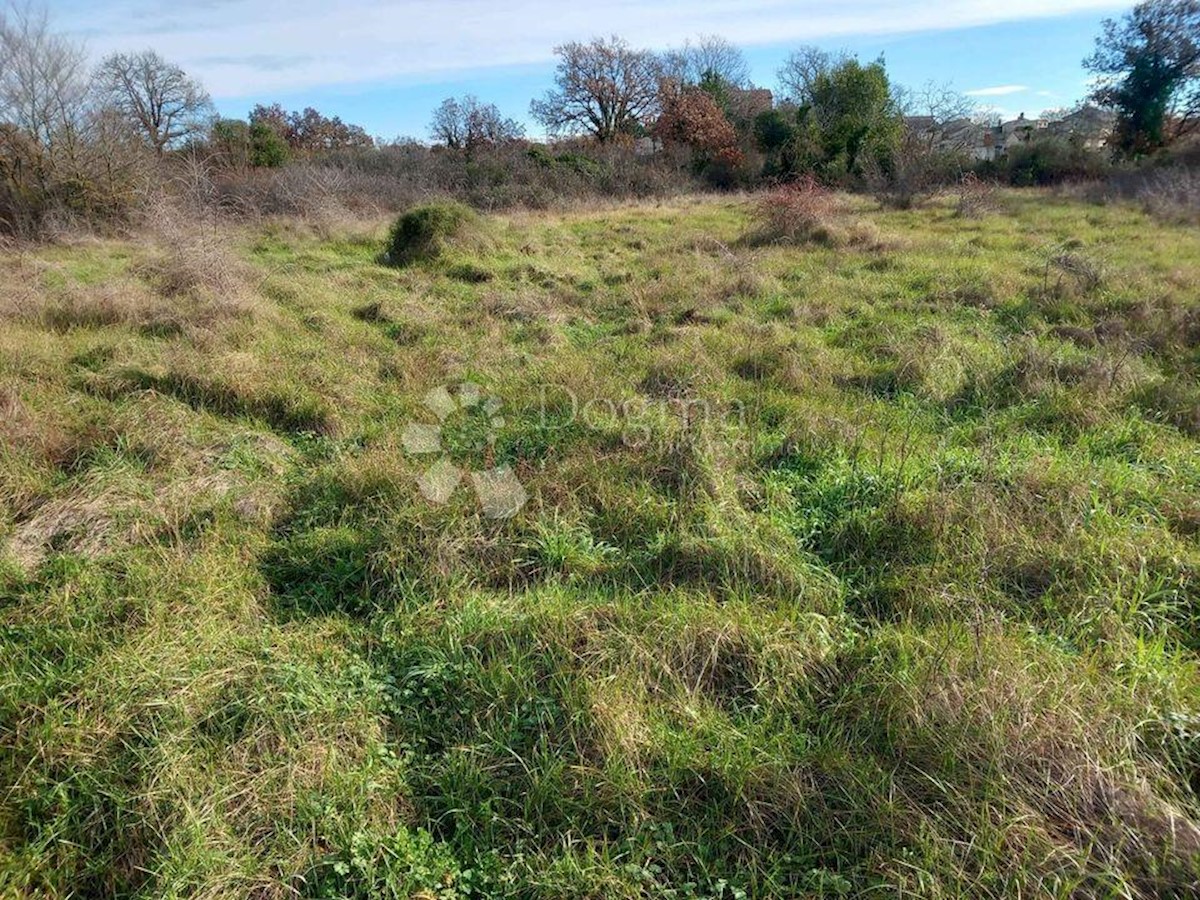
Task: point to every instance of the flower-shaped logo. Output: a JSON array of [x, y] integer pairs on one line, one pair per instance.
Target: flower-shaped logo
[[464, 440]]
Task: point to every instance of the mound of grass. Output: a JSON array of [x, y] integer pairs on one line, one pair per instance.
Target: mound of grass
[[425, 232]]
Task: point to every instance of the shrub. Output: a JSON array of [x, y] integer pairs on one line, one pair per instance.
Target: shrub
[[1173, 195], [1045, 162], [975, 196], [267, 149], [577, 163], [692, 118], [425, 231], [914, 173], [42, 192], [188, 258], [1170, 192], [797, 212], [236, 144]]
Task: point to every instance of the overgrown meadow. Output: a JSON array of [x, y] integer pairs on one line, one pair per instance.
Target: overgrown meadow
[[861, 563]]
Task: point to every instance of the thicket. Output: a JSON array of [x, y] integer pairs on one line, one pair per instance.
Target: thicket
[[75, 153]]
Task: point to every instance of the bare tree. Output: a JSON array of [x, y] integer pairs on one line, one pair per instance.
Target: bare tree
[[604, 88], [934, 148], [939, 102], [801, 70], [156, 96], [486, 125], [120, 165], [61, 151], [708, 58], [468, 124], [448, 125], [938, 118], [43, 83]]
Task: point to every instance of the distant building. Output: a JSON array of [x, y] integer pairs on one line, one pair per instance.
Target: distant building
[[1089, 126], [920, 124], [960, 136]]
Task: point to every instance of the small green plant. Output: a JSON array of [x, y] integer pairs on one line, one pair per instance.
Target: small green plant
[[564, 548], [379, 867]]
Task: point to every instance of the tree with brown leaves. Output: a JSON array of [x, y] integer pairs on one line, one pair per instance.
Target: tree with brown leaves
[[692, 117]]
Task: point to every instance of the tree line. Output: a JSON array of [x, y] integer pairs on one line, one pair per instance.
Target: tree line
[[91, 139]]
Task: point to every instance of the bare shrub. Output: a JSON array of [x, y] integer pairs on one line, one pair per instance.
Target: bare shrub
[[19, 278], [1173, 195], [1170, 193], [799, 212], [915, 176], [316, 193], [390, 179], [188, 263], [976, 197], [200, 267], [1069, 272]]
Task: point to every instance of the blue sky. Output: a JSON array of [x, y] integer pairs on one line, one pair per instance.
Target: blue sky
[[386, 65]]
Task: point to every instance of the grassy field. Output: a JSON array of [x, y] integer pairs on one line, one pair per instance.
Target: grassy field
[[861, 567]]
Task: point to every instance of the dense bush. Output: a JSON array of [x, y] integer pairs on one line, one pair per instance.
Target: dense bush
[[392, 178], [845, 122], [237, 144], [1046, 162], [692, 118], [424, 232], [41, 192]]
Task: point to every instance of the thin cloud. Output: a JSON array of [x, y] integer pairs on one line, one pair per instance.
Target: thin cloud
[[1002, 90], [262, 62], [364, 41]]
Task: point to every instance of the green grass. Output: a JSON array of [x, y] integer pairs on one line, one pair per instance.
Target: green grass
[[868, 569]]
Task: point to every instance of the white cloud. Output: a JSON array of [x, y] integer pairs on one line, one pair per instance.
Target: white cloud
[[1002, 90], [241, 47]]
